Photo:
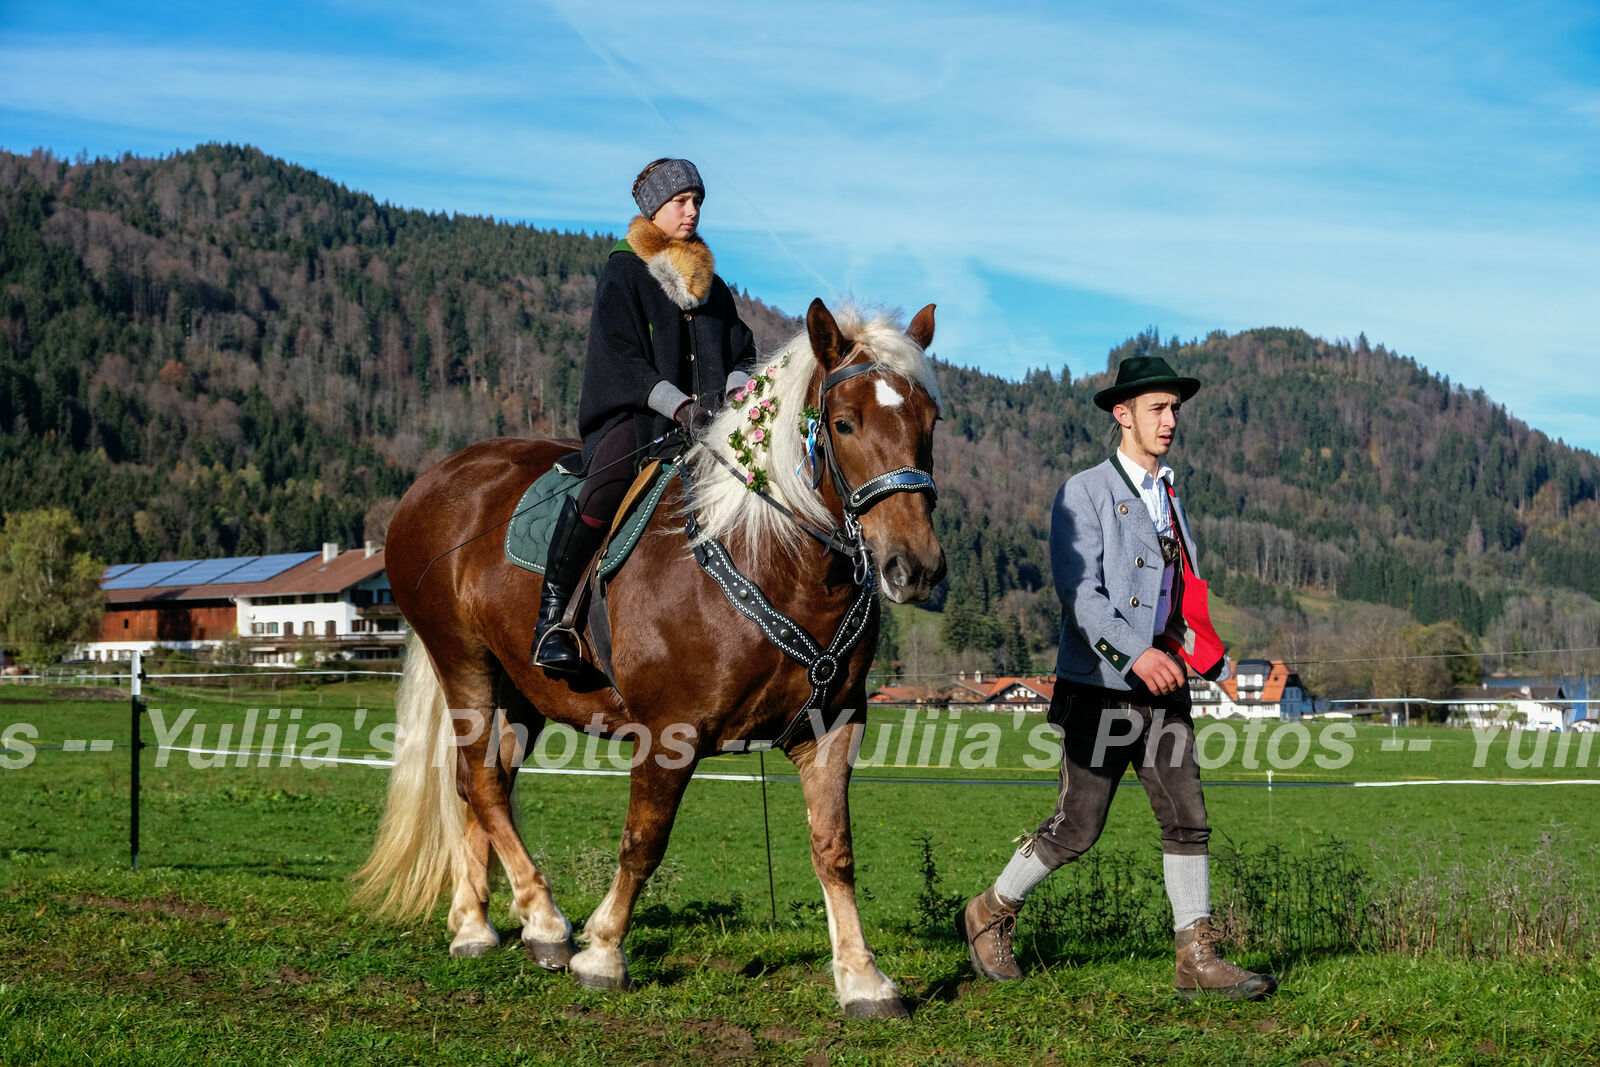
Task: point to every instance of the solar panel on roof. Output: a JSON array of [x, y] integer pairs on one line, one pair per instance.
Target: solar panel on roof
[[147, 574], [116, 569], [269, 566], [207, 570]]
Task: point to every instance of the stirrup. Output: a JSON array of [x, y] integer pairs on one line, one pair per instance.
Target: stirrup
[[577, 641]]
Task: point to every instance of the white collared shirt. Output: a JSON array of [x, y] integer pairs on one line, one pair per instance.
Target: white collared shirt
[[1153, 491]]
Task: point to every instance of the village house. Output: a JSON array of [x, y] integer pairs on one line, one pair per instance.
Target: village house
[[903, 696], [1258, 689], [1535, 707], [277, 607], [1005, 693]]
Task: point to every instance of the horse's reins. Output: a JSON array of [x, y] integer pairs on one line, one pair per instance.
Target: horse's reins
[[542, 500]]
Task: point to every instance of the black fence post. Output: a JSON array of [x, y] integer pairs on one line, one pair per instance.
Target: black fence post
[[134, 748]]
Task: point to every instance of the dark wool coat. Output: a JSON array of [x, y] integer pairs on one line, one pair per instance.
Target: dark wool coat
[[661, 315]]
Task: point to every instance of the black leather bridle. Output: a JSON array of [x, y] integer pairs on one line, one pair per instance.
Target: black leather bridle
[[856, 501]]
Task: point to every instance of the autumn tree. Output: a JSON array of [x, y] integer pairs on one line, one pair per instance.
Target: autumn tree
[[50, 597]]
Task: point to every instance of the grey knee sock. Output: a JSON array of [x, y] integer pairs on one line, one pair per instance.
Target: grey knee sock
[[1022, 874], [1188, 888]]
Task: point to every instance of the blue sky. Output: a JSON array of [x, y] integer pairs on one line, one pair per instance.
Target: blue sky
[[1056, 176]]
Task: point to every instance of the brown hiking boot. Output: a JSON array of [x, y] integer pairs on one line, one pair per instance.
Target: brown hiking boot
[[986, 925], [1201, 970]]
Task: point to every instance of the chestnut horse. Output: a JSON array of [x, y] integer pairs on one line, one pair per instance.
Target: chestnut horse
[[694, 674]]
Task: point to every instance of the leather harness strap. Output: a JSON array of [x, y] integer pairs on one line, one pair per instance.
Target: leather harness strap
[[825, 667]]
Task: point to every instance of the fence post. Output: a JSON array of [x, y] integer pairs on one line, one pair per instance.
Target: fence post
[[136, 705]]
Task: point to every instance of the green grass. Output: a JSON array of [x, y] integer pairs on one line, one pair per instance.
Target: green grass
[[236, 942]]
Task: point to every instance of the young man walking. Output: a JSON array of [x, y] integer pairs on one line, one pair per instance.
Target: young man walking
[[1120, 550]]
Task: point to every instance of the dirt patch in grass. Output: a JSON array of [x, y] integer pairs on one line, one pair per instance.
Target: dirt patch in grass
[[781, 1035], [295, 976], [728, 1042], [87, 692], [719, 1039], [168, 905]]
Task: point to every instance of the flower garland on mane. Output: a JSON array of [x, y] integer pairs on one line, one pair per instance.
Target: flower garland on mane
[[751, 443]]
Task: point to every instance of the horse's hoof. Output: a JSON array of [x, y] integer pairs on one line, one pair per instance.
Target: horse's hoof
[[471, 950], [893, 1008], [551, 955], [601, 969], [619, 983]]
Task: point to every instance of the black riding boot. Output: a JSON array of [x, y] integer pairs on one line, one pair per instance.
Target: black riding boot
[[571, 547]]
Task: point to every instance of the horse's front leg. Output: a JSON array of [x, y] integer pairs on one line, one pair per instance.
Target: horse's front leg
[[864, 991], [653, 798]]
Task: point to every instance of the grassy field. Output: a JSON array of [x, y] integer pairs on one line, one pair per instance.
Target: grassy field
[[236, 942]]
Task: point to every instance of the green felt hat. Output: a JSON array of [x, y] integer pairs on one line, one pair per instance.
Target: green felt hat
[[1144, 374]]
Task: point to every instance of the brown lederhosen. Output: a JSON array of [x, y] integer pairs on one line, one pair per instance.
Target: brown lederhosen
[[1161, 750]]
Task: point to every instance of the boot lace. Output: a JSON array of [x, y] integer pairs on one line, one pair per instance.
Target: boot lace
[[1001, 930]]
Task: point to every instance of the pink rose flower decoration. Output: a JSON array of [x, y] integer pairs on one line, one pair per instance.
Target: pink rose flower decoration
[[758, 436], [755, 414], [750, 479]]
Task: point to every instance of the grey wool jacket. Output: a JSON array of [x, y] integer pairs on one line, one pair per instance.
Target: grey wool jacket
[[1107, 565]]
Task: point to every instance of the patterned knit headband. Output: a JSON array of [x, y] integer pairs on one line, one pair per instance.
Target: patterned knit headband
[[664, 183]]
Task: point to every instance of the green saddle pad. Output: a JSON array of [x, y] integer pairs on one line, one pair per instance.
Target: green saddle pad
[[529, 532]]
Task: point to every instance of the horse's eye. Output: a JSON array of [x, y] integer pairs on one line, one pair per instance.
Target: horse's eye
[[842, 428]]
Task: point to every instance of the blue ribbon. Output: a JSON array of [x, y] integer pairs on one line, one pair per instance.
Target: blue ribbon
[[811, 453]]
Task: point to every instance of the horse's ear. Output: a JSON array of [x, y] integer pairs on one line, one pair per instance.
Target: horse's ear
[[921, 328], [826, 340]]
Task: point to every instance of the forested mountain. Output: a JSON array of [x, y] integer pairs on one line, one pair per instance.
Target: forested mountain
[[219, 352]]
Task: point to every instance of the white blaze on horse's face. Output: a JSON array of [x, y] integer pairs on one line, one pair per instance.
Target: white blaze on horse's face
[[887, 395]]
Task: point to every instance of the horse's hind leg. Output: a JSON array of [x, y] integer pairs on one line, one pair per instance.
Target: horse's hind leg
[[546, 933], [652, 805], [489, 748], [469, 900], [864, 990]]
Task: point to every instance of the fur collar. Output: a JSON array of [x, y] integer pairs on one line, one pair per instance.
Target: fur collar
[[683, 268]]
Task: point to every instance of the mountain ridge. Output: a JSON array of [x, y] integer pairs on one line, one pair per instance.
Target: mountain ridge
[[219, 352]]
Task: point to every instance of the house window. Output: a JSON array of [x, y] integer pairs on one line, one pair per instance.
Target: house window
[[330, 629], [288, 629], [272, 627], [309, 629]]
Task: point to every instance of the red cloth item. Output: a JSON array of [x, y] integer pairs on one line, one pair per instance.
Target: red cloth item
[[1202, 649]]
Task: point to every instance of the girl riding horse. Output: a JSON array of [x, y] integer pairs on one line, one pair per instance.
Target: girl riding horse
[[665, 344]]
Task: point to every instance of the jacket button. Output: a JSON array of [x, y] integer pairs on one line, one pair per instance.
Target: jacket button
[[1139, 561], [1134, 602], [687, 317], [1122, 509]]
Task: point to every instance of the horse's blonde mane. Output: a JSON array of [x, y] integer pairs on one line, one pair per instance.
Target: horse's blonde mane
[[727, 509]]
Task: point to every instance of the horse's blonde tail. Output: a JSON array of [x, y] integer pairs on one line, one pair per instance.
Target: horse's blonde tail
[[422, 838]]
